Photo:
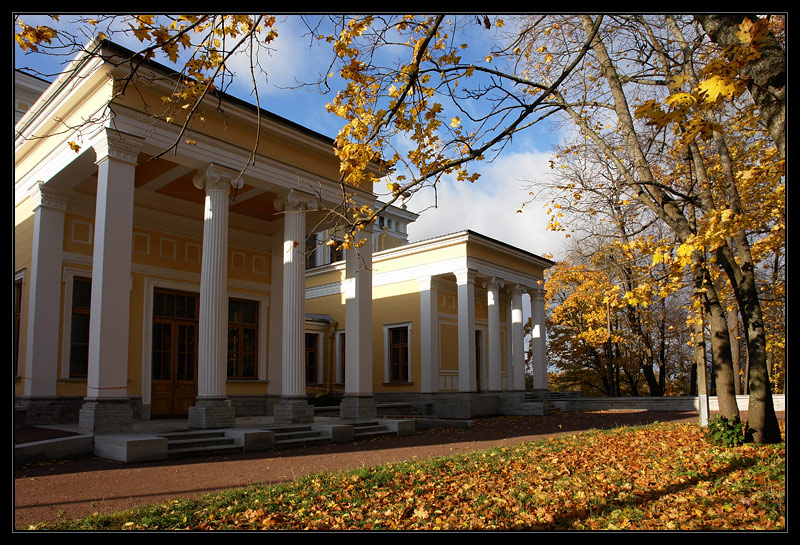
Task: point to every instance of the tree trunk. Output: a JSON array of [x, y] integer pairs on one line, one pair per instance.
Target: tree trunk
[[733, 328], [766, 75], [721, 356]]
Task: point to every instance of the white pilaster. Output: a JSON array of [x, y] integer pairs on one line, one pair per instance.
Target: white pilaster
[[493, 299], [465, 280], [107, 379], [293, 406], [539, 334], [275, 361], [517, 375], [429, 334], [213, 409], [41, 354]]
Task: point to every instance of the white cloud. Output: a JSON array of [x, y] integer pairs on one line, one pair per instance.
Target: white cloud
[[489, 206]]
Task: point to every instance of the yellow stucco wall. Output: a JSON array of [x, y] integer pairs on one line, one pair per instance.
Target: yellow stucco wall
[[23, 243]]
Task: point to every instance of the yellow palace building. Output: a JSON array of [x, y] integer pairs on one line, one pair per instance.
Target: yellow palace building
[[155, 285]]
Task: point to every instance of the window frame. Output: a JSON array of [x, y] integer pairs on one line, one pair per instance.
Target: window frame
[[240, 328], [19, 305], [72, 311], [387, 352], [317, 349], [341, 343]]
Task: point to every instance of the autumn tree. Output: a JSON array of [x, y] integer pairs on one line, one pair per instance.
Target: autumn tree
[[697, 150]]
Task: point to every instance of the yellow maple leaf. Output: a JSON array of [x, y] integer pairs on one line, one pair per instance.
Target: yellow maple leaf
[[716, 86]]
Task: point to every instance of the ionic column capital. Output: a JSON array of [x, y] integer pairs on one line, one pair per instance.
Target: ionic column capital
[[493, 283], [297, 201], [216, 177], [536, 293]]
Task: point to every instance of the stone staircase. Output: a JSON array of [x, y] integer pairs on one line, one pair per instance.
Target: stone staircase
[[298, 436], [370, 429], [184, 444], [535, 397], [214, 442], [170, 444]]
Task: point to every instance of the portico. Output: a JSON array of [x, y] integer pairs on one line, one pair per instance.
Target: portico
[[175, 285]]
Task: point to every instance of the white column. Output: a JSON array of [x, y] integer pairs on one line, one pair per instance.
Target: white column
[[465, 280], [359, 400], [41, 353], [293, 406], [493, 300], [517, 375], [429, 335], [107, 408], [213, 409], [539, 334]]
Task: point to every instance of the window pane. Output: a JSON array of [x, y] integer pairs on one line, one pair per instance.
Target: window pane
[[249, 366], [80, 328], [311, 340], [191, 308], [249, 312], [81, 293], [234, 311], [180, 306], [248, 340], [233, 351], [78, 360]]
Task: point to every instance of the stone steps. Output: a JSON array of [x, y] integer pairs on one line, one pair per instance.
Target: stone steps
[[199, 443], [370, 429], [294, 436]]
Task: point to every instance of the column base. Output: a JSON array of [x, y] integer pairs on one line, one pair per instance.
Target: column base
[[293, 411], [212, 413], [355, 407], [98, 417]]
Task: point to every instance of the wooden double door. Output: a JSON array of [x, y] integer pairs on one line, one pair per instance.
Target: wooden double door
[[174, 353]]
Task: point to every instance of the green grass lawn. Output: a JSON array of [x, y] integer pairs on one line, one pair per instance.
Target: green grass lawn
[[656, 477]]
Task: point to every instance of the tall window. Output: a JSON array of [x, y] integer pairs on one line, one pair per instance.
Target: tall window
[[242, 336], [336, 252], [398, 354], [478, 352], [312, 358], [79, 331], [311, 251], [342, 356]]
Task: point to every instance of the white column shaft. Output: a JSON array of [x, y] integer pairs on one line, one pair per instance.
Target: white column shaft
[[358, 318], [539, 334], [466, 332], [41, 354], [429, 335], [517, 342], [493, 300], [212, 328], [111, 273], [293, 380]]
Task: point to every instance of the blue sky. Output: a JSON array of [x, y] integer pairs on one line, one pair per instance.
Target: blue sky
[[487, 206]]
